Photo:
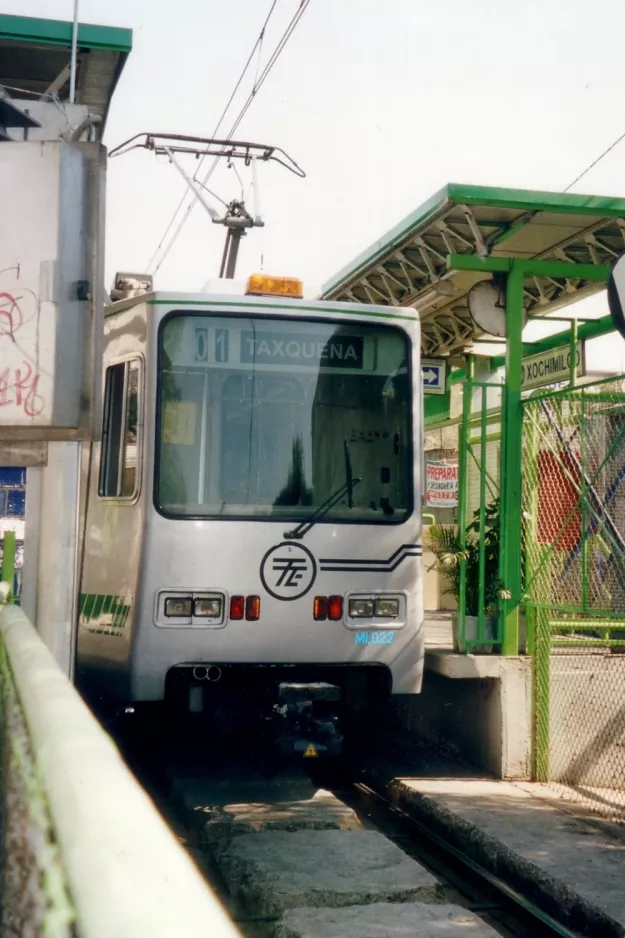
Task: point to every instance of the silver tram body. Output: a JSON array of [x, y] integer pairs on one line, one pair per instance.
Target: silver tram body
[[253, 506]]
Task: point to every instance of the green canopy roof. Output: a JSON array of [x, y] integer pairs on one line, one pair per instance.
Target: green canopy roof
[[35, 56], [407, 266]]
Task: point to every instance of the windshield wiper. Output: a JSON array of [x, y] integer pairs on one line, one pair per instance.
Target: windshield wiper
[[346, 489], [349, 478]]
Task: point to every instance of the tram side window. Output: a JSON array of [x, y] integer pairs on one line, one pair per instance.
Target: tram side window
[[118, 465]]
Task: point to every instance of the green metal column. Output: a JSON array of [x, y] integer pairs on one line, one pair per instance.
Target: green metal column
[[538, 591], [510, 518], [463, 445], [583, 498], [573, 353], [481, 623], [531, 473], [541, 678]]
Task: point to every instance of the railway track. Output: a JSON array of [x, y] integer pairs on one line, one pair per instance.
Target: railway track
[[489, 896], [187, 786]]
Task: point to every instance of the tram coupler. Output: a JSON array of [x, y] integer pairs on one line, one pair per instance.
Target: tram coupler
[[305, 722]]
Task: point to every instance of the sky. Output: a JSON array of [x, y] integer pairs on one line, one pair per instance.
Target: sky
[[382, 102]]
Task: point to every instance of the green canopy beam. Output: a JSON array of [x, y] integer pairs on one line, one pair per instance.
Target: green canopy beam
[[593, 329], [559, 270], [41, 32], [571, 235], [588, 330]]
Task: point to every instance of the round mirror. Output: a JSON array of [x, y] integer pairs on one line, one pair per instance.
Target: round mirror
[[487, 307]]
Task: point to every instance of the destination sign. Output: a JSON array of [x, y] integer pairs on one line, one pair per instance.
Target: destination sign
[[551, 367], [271, 348]]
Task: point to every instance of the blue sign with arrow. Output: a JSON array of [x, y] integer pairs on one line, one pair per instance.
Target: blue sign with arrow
[[433, 375]]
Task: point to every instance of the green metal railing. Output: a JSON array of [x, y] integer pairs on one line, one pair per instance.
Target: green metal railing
[[480, 630], [85, 853], [7, 566]]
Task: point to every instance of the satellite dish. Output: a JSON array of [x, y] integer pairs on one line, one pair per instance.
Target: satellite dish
[[487, 307], [616, 294]]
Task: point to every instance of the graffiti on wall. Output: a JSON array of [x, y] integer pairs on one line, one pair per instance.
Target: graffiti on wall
[[20, 371]]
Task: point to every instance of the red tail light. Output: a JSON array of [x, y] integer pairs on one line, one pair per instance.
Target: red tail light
[[320, 608], [237, 607], [335, 607], [252, 608]]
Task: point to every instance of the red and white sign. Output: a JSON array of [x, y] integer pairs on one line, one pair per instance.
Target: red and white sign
[[442, 485]]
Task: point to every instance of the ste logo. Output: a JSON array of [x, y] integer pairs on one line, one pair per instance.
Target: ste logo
[[288, 571]]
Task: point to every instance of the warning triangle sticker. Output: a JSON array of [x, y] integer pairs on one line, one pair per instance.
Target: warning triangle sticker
[[310, 752]]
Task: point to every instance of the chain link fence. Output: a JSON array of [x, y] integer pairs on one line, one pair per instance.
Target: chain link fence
[[574, 560]]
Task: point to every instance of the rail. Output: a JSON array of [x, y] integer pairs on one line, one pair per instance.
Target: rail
[[85, 852]]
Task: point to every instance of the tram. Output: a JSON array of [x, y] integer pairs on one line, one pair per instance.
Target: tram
[[253, 518]]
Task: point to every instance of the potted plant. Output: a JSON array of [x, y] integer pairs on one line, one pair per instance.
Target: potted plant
[[444, 542]]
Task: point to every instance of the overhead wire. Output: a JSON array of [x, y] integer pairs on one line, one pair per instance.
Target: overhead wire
[[257, 45], [258, 83], [594, 162]]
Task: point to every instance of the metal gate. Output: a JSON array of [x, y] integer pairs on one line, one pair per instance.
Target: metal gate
[[574, 577], [478, 517]]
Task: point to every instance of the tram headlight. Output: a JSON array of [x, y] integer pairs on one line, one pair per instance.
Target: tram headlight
[[381, 607], [207, 607], [361, 608], [178, 607], [387, 608]]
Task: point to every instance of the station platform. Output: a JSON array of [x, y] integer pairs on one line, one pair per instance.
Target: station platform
[[440, 657], [478, 706], [464, 770], [568, 861]]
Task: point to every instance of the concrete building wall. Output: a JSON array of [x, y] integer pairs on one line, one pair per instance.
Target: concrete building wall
[[485, 720]]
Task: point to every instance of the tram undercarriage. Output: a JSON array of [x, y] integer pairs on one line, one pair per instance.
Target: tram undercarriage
[[292, 711]]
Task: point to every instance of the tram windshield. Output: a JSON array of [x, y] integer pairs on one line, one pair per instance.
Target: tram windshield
[[254, 415]]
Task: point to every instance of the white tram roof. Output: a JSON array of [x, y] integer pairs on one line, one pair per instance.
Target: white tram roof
[[179, 300]]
